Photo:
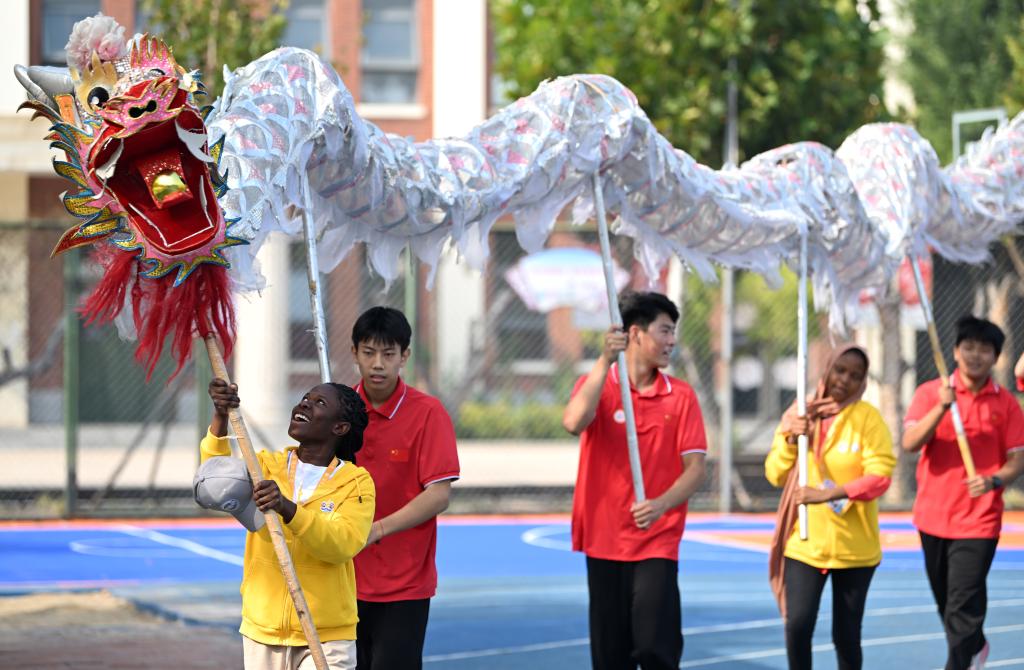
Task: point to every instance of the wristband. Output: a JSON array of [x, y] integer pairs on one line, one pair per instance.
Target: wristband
[[997, 482]]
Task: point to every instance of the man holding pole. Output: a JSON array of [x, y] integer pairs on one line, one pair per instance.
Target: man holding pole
[[959, 516], [632, 548]]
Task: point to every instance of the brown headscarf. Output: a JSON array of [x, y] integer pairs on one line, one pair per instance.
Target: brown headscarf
[[786, 516]]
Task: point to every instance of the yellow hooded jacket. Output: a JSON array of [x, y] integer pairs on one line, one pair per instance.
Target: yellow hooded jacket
[[858, 443], [323, 536]]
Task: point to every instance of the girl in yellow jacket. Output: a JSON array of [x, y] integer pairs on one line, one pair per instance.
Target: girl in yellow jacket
[[326, 503], [849, 468]]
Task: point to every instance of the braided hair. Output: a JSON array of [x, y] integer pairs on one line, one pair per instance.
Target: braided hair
[[353, 411]]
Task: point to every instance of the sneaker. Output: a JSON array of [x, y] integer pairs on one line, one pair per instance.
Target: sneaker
[[978, 660]]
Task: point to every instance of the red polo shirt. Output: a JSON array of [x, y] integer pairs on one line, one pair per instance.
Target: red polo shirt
[[408, 445], [994, 425], [668, 425]]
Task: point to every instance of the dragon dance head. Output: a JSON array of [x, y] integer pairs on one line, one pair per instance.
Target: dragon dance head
[[146, 185]]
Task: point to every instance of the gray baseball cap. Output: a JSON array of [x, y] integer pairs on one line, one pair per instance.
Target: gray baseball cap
[[222, 483]]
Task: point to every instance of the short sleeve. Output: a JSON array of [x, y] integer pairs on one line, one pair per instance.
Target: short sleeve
[[691, 437], [923, 400], [438, 455], [1014, 435], [607, 402]]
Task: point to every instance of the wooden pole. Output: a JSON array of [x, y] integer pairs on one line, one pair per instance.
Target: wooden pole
[[274, 525], [940, 364]]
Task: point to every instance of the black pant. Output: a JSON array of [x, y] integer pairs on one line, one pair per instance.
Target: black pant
[[389, 636], [804, 584], [634, 614], [957, 570]]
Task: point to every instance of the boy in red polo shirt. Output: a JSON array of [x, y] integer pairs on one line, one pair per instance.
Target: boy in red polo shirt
[[409, 450], [959, 518], [632, 548]]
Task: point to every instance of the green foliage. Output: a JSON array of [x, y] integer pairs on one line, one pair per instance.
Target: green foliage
[[504, 420], [807, 70], [962, 54], [773, 329], [209, 34], [696, 307], [1013, 94]]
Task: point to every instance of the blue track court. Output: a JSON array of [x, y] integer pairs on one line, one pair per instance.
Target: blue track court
[[512, 595]]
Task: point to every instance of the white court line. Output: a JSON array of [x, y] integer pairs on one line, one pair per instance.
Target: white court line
[[187, 545], [731, 627], [871, 642], [501, 651], [1004, 663]]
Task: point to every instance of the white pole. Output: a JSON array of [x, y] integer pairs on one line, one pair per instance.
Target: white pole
[[632, 443], [732, 156], [801, 376], [316, 302], [725, 396]]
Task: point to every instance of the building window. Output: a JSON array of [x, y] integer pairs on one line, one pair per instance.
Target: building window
[[390, 54], [58, 18], [307, 26]]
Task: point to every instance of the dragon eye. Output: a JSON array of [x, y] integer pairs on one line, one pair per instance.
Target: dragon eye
[[98, 97], [155, 72]]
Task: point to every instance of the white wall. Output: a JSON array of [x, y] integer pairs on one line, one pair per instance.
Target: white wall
[[460, 102], [460, 66], [14, 325], [261, 349], [14, 50], [22, 148]]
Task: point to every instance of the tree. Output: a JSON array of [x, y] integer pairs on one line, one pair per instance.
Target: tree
[[961, 54], [805, 71], [209, 34], [1013, 93]]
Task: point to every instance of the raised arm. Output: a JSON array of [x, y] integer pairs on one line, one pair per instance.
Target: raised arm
[[582, 407], [919, 432]]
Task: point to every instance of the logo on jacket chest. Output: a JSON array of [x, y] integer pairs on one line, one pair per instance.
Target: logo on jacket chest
[[846, 447], [327, 506]]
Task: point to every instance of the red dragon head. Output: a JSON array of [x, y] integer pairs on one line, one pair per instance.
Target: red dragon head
[[146, 184]]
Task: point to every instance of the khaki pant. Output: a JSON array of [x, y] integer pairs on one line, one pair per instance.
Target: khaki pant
[[341, 655]]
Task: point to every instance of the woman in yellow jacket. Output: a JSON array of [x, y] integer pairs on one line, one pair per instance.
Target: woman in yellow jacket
[[326, 503], [849, 468]]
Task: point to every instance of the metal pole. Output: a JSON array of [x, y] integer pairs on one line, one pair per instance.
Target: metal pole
[[316, 301], [801, 376], [72, 265], [728, 291], [940, 364], [632, 443], [410, 303]]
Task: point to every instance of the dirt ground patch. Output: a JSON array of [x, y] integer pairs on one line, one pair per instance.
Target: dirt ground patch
[[100, 630]]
